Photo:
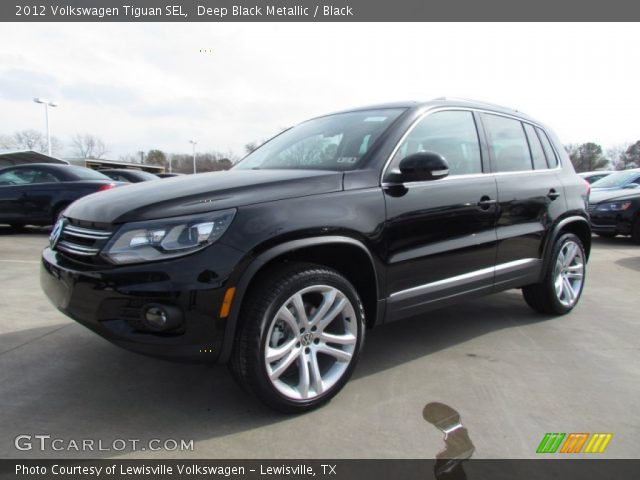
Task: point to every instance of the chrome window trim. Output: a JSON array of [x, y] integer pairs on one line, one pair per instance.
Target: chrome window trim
[[432, 110], [483, 273]]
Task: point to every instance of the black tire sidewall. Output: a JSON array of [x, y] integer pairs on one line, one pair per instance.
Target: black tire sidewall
[[308, 277], [549, 281]]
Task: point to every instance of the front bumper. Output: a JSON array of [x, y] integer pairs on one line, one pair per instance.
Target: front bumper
[[111, 300], [610, 222]]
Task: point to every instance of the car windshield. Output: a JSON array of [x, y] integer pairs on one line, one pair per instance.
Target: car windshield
[[335, 142], [82, 173], [615, 180]]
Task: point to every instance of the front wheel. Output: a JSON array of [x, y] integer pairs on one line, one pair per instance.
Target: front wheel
[[301, 335], [561, 287]]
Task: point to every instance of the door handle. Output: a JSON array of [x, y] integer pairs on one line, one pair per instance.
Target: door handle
[[553, 194], [486, 202]]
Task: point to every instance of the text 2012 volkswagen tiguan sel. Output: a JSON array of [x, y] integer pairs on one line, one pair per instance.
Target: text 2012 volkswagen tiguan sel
[[344, 222]]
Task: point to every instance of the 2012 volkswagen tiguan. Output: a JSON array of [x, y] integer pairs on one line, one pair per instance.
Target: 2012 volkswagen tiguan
[[339, 224]]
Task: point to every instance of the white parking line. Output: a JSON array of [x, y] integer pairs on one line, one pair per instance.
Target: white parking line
[[20, 261]]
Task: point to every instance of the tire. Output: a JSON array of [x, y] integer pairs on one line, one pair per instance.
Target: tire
[[306, 369], [560, 289], [635, 231], [606, 234]]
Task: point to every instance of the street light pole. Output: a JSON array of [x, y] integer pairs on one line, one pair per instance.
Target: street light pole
[[193, 144], [46, 104]]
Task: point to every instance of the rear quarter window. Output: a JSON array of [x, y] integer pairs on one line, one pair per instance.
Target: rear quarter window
[[552, 159]]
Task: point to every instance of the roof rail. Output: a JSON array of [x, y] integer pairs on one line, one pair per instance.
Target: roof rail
[[470, 100]]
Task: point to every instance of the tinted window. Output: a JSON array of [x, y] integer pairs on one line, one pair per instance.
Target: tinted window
[[21, 176], [552, 160], [333, 142], [116, 176], [82, 173], [537, 153], [451, 134], [508, 143]]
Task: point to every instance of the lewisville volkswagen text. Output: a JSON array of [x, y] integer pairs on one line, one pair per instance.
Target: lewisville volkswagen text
[[342, 223]]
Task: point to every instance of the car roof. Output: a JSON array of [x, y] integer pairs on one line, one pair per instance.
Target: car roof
[[444, 102], [52, 166]]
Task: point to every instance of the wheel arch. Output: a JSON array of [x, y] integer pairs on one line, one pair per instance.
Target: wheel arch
[[348, 256], [576, 224]]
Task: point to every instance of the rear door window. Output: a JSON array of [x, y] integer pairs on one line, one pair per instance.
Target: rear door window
[[508, 143]]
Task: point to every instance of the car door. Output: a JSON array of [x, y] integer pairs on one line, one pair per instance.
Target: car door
[[440, 234], [39, 194], [13, 185], [529, 195]]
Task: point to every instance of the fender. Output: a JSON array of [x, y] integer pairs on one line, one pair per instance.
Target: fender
[[258, 262], [551, 238]]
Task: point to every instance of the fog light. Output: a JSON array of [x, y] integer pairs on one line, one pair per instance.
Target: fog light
[[161, 317]]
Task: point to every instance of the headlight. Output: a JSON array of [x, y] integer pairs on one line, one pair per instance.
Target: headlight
[[613, 206], [162, 239]]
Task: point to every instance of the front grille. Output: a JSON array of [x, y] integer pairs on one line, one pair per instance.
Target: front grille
[[82, 243]]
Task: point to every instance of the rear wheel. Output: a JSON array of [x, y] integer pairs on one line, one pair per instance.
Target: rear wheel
[[560, 289], [302, 330]]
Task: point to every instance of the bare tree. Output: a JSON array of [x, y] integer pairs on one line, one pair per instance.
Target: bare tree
[[586, 157], [29, 140], [615, 155], [88, 146], [631, 157]]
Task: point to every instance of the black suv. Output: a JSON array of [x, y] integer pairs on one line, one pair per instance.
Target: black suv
[[339, 224]]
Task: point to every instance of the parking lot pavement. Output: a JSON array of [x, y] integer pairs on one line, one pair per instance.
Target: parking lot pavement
[[513, 376]]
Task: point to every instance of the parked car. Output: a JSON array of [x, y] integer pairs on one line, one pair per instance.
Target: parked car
[[595, 176], [37, 193], [624, 179], [128, 175], [168, 175], [615, 213], [342, 223]]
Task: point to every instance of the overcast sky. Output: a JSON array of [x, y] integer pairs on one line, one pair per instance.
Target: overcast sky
[[143, 86]]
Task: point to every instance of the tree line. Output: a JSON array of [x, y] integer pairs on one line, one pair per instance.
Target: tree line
[[83, 145], [590, 156]]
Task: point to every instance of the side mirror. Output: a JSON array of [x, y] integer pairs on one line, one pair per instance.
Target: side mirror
[[632, 186], [422, 166]]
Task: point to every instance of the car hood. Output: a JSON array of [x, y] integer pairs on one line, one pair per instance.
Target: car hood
[[200, 193], [609, 195]]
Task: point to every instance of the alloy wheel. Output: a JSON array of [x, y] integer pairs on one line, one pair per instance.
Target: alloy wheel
[[310, 342], [569, 273]]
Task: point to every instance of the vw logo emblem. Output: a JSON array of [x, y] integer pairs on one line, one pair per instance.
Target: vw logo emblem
[[56, 232], [306, 339]]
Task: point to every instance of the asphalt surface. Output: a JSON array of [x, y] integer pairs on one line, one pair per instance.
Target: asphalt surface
[[512, 374]]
